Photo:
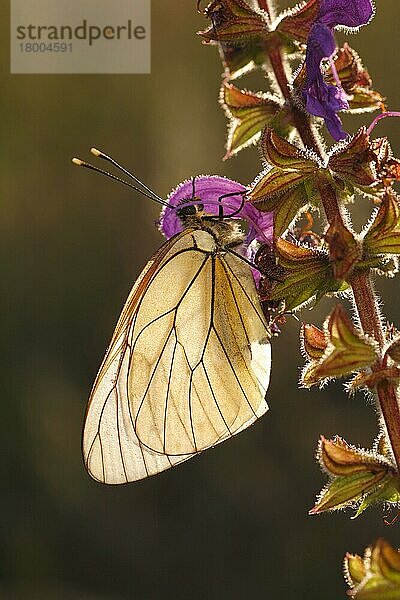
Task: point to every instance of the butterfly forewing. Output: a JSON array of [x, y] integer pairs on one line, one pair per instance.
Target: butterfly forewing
[[187, 367]]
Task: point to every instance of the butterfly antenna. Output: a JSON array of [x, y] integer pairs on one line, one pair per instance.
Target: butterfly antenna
[[103, 156], [86, 165]]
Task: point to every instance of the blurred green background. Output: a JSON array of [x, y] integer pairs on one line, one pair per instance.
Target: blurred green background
[[232, 523]]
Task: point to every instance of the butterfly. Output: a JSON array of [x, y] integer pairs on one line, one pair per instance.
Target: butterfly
[[188, 365]]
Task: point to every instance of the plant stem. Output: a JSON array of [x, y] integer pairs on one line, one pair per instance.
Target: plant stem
[[368, 312], [370, 320], [363, 292], [391, 415], [367, 306], [300, 119], [263, 4]]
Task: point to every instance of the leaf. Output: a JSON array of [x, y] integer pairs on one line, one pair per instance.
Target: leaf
[[356, 161], [233, 21], [347, 350], [248, 113], [383, 235], [313, 341], [297, 22], [344, 249], [308, 274]]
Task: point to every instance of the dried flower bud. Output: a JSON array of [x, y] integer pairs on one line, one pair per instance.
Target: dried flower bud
[[359, 476], [313, 340], [377, 575], [308, 275], [355, 162], [347, 351], [344, 249]]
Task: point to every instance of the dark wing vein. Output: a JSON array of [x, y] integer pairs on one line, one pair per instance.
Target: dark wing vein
[[262, 320], [173, 330]]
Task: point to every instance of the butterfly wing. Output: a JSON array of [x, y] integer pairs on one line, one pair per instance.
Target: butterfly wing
[[187, 367]]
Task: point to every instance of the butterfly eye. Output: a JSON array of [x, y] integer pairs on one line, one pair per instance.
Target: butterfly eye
[[189, 210]]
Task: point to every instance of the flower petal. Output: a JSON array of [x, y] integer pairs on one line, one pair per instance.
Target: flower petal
[[208, 190], [323, 99], [321, 44], [349, 13]]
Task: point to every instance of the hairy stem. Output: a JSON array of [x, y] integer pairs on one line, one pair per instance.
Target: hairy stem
[[368, 312], [363, 292], [300, 119], [367, 306], [389, 404], [263, 4]]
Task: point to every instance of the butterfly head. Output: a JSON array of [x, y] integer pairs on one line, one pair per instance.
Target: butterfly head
[[189, 209]]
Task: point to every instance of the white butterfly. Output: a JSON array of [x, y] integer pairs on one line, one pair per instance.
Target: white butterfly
[[189, 362]]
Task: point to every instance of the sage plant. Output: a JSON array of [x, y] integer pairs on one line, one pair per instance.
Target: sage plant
[[311, 164]]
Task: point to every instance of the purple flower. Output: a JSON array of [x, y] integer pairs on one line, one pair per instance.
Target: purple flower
[[348, 13], [323, 99], [208, 189]]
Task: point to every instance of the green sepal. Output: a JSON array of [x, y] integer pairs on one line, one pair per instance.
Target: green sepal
[[297, 22], [288, 208], [239, 60], [308, 274], [287, 186], [355, 81], [354, 569], [344, 491], [347, 351], [248, 112], [234, 21], [394, 350], [278, 152], [274, 182], [387, 491], [355, 162], [358, 476], [383, 235], [344, 249], [377, 575]]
